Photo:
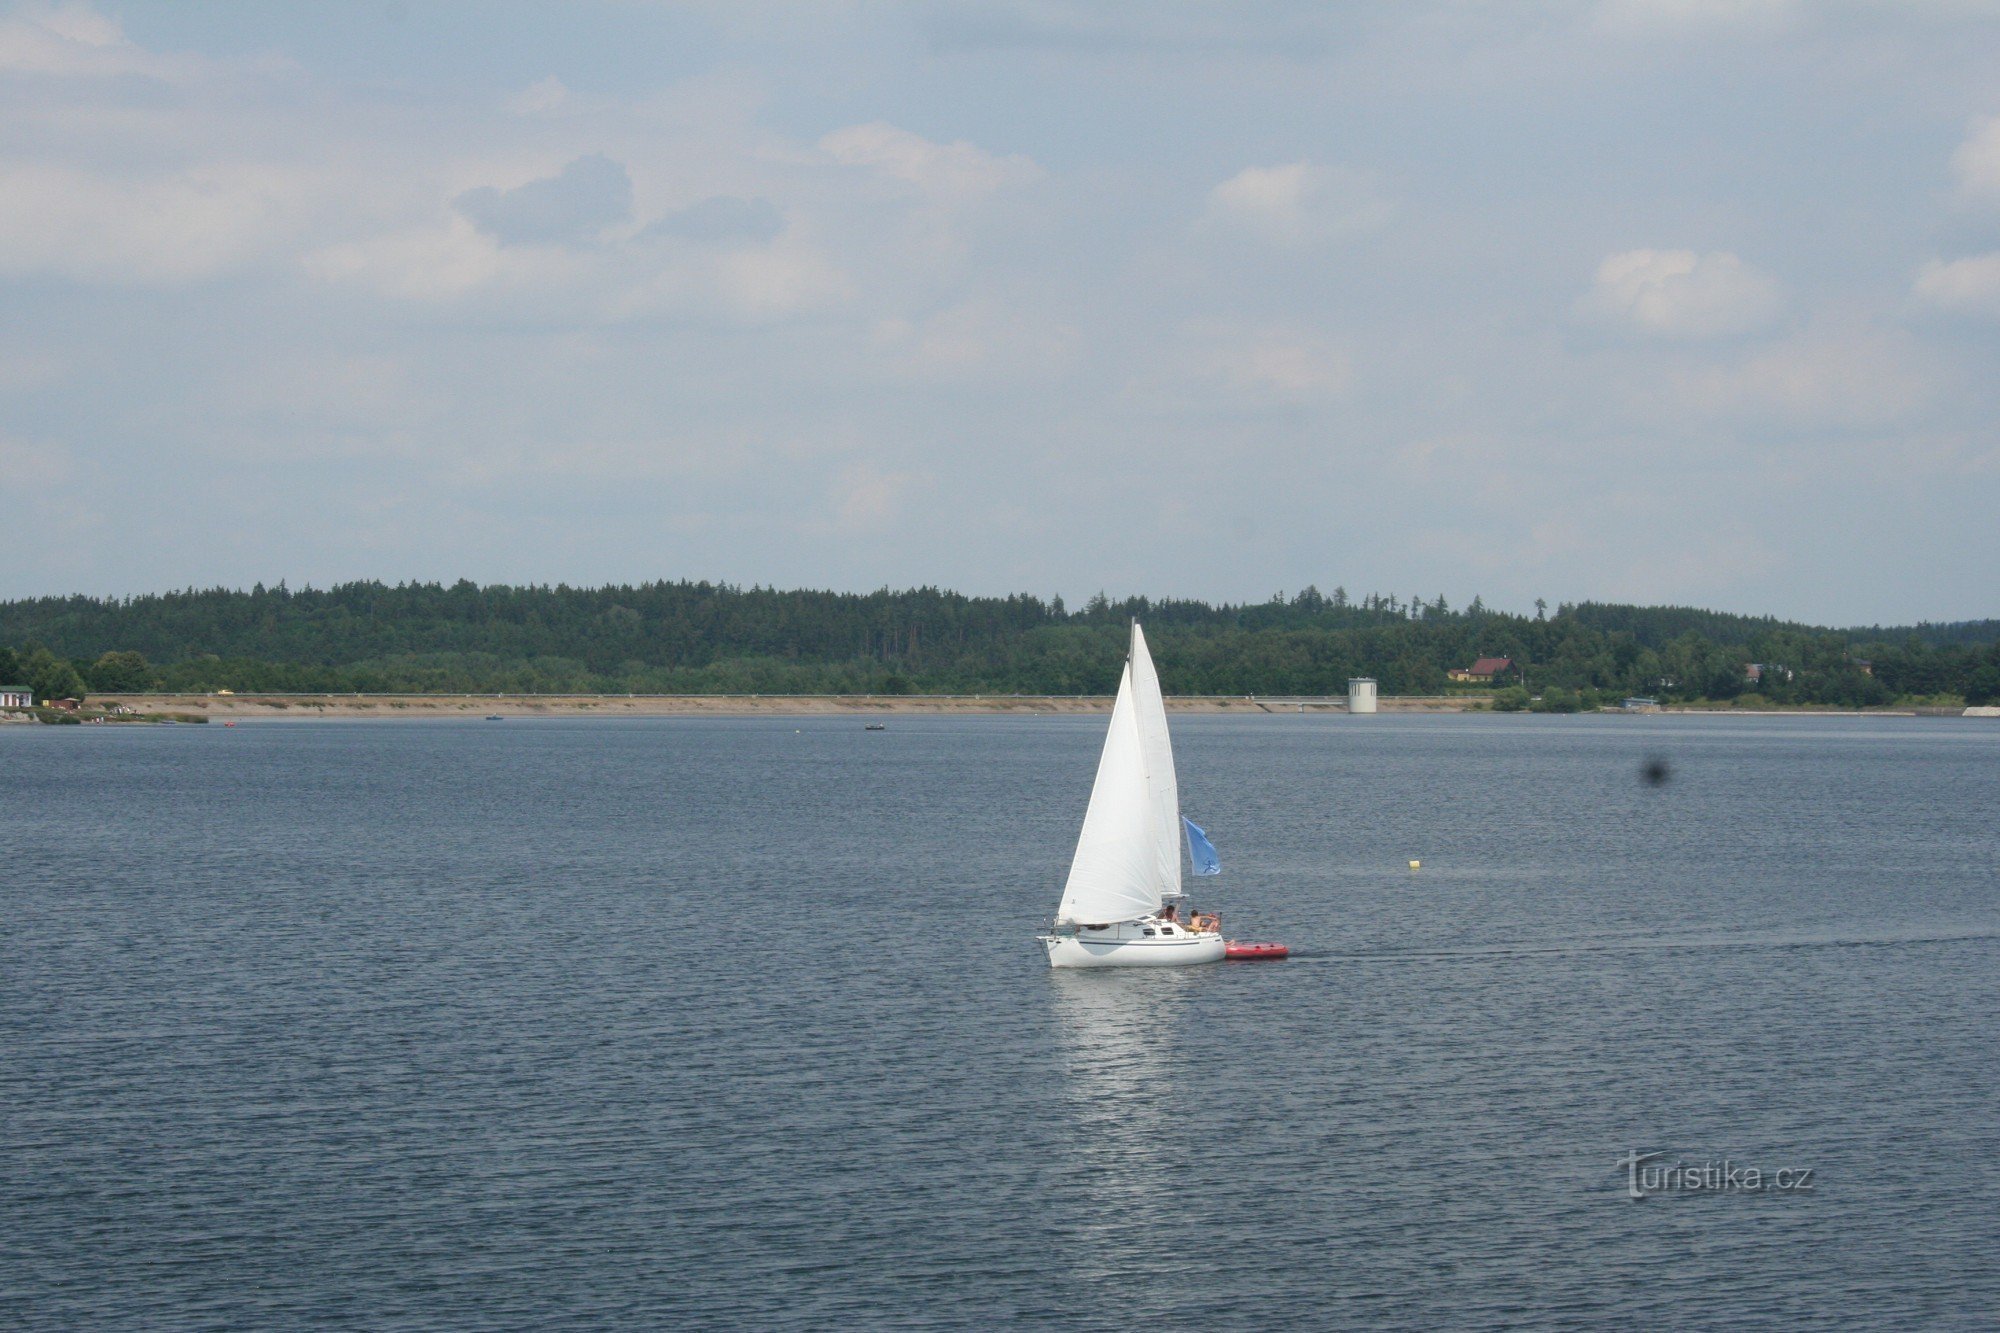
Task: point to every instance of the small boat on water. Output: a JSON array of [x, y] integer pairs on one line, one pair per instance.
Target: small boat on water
[[495, 717], [876, 726], [1121, 906], [1242, 951]]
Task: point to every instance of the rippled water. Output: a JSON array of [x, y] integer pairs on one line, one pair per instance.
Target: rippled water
[[740, 1022]]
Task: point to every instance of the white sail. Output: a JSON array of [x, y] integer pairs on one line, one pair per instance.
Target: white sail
[[1115, 876], [1157, 752]]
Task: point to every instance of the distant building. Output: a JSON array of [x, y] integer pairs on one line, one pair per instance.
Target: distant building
[[1867, 667], [1638, 704], [1483, 671], [16, 696]]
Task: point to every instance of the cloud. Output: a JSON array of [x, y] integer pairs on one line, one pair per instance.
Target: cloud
[[953, 169], [1977, 161], [1276, 365], [865, 497], [67, 40], [432, 264], [1231, 365], [655, 274], [722, 218], [764, 283], [1838, 377], [540, 97], [732, 283], [1653, 18], [1970, 286], [1297, 203], [1105, 30], [575, 204], [1680, 294], [162, 229], [981, 339]]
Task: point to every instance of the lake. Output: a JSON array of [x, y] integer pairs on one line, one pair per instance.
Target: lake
[[741, 1022]]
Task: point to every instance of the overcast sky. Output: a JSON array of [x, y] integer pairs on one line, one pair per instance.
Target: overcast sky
[[1689, 301]]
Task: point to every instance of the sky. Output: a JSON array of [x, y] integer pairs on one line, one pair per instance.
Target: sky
[[1685, 301]]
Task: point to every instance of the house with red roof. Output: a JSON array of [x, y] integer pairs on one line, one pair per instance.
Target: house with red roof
[[1483, 672]]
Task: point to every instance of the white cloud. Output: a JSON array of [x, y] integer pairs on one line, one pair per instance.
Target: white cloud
[[789, 277], [958, 168], [456, 264], [1839, 377], [1280, 365], [1296, 203], [427, 264], [1649, 18], [865, 497], [1104, 30], [981, 339], [66, 40], [1227, 364], [1680, 294], [1977, 161], [540, 97], [1967, 285], [157, 229], [74, 41]]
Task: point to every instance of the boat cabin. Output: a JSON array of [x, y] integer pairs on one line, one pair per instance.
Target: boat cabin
[[1147, 928]]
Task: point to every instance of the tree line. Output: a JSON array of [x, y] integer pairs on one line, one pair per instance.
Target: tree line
[[708, 638]]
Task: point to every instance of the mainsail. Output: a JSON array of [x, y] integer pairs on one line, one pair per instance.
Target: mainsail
[[1163, 791], [1128, 858]]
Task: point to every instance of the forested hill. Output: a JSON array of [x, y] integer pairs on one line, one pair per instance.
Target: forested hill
[[704, 637], [1657, 626]]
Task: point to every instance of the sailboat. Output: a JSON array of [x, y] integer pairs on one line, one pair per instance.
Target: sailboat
[[1127, 868]]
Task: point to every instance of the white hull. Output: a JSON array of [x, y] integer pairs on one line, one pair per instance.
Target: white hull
[[1131, 944]]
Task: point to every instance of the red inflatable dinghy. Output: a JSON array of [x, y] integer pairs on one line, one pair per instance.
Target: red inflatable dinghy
[[1239, 950]]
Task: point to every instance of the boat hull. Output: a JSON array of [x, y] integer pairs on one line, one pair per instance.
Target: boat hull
[[1109, 951]]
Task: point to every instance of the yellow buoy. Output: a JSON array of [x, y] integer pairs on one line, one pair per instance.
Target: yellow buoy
[[1416, 865]]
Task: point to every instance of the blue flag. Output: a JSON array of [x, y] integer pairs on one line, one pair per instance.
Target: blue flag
[[1206, 862]]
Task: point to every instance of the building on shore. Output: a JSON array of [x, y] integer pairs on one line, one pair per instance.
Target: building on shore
[[1483, 672], [16, 696]]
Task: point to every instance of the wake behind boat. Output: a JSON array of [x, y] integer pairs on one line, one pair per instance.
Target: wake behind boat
[[1121, 904]]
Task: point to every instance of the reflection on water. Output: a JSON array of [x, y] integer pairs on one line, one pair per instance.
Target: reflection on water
[[1121, 1063]]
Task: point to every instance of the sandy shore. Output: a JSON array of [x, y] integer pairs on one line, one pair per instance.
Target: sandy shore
[[306, 707]]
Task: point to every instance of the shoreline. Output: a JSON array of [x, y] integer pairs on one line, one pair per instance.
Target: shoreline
[[311, 707], [315, 707]]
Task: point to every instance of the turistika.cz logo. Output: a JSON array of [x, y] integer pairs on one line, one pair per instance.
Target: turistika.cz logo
[[1645, 1177]]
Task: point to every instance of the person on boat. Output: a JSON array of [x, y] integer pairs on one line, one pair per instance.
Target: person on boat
[[1207, 923], [1170, 913]]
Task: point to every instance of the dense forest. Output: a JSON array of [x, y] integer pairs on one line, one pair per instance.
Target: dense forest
[[705, 638]]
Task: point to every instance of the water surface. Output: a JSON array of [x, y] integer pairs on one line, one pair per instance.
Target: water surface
[[741, 1022]]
